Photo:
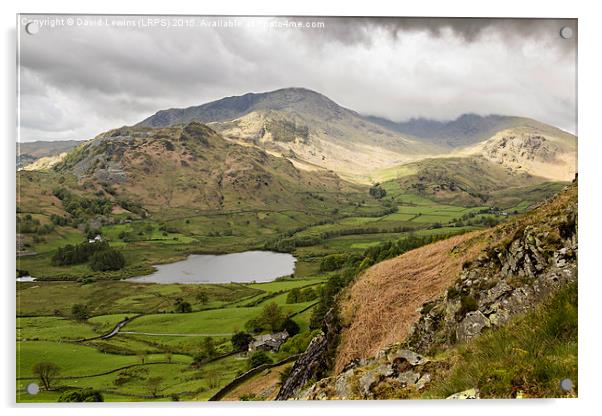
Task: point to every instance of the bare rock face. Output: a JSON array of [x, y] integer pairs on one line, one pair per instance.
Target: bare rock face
[[471, 326], [315, 361], [392, 373], [310, 364], [465, 395]]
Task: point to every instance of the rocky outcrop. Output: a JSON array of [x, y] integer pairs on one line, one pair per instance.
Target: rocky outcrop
[[394, 373], [510, 278], [315, 362]]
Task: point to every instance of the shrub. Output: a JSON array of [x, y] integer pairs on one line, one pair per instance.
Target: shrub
[[241, 340], [468, 304], [80, 312], [259, 358], [183, 306], [84, 395], [291, 327]]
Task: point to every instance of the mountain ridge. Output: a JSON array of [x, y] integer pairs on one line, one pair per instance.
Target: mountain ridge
[[314, 131]]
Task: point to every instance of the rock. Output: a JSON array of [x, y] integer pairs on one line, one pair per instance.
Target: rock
[[341, 385], [384, 370], [471, 326], [366, 382], [408, 378], [310, 364], [465, 395], [423, 381], [400, 356], [495, 292], [498, 318]]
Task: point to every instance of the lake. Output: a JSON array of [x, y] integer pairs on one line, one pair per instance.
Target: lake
[[248, 266]]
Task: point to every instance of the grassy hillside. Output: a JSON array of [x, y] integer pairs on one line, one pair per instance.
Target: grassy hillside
[[29, 152], [467, 181], [528, 357]]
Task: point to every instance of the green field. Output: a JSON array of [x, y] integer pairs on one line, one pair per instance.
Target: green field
[[152, 345]]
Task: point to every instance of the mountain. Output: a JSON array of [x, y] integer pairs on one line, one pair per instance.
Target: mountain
[[305, 126], [536, 149], [465, 130], [29, 152], [192, 166], [314, 133]]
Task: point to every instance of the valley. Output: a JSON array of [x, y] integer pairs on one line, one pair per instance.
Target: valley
[[288, 172]]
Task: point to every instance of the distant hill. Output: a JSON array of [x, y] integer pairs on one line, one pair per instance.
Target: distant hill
[[314, 132], [29, 152], [466, 130]]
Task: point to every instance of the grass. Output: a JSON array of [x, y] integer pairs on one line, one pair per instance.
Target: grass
[[52, 329], [531, 354], [75, 359], [212, 322], [117, 297]]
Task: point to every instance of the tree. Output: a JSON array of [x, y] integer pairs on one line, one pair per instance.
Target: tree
[[272, 316], [183, 306], [202, 297], [46, 373], [80, 312], [84, 395], [259, 358], [291, 327], [293, 296], [377, 192], [241, 340], [169, 356], [107, 260], [153, 384], [209, 347]]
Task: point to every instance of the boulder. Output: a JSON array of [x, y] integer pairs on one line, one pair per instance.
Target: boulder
[[471, 326], [464, 395]]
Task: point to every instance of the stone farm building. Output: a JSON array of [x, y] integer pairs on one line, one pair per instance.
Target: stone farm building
[[269, 342]]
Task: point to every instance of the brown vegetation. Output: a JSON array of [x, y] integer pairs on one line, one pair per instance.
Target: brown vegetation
[[388, 295]]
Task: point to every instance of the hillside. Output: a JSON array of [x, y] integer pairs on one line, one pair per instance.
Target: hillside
[[401, 322], [194, 167], [537, 150], [30, 152], [466, 130], [469, 181]]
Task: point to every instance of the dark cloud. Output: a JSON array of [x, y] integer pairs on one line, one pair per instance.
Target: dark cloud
[[79, 81]]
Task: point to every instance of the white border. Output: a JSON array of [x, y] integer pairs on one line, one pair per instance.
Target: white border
[[590, 160]]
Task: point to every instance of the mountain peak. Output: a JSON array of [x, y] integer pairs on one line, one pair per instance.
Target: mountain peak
[[229, 108]]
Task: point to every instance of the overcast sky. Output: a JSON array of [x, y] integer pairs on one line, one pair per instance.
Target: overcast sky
[[79, 79]]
